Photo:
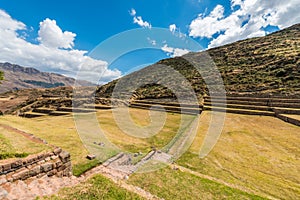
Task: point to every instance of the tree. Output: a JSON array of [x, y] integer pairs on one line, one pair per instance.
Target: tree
[[1, 76]]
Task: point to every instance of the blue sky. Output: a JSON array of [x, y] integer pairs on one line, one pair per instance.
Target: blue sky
[[61, 36]]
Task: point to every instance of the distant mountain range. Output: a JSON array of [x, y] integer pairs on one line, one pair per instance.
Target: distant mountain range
[[256, 66], [17, 77]]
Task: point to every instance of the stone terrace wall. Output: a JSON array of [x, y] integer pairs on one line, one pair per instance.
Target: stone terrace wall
[[57, 162]]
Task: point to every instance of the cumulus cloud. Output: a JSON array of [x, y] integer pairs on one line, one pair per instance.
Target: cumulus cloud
[[132, 12], [49, 55], [174, 52], [52, 36], [248, 19], [139, 20], [172, 28]]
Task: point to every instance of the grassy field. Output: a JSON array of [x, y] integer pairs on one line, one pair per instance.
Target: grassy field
[[13, 144], [257, 155], [174, 184], [61, 131]]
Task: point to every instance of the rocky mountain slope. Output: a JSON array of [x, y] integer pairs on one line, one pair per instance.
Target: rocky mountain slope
[[17, 77], [257, 66]]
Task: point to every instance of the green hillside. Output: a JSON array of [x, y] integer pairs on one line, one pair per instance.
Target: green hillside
[[261, 66]]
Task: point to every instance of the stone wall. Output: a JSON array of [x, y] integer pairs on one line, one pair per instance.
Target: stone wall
[[55, 163]]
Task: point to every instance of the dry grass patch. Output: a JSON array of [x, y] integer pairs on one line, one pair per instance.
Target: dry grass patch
[[258, 153], [13, 144], [175, 184]]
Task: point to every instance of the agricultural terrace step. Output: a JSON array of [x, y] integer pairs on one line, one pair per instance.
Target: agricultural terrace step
[[292, 111], [247, 107], [43, 110], [98, 106], [169, 108], [169, 104], [240, 111], [293, 119], [70, 109], [33, 114], [255, 99], [59, 113], [266, 103], [172, 111], [238, 102]]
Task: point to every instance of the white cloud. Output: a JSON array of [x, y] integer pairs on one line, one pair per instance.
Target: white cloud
[[151, 41], [132, 12], [47, 56], [139, 20], [172, 28], [174, 52], [52, 36], [248, 20]]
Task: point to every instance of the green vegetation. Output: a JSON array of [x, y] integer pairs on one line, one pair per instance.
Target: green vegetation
[[1, 76], [44, 84], [265, 65], [14, 145], [175, 184], [95, 188], [59, 131], [85, 166], [256, 155], [253, 152]]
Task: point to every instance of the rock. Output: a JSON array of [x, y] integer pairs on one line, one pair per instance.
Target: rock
[[64, 156], [6, 167], [54, 157], [3, 179], [46, 167], [91, 156], [22, 175], [3, 193], [57, 151], [35, 171]]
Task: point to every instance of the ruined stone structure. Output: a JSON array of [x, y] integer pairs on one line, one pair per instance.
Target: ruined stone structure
[[55, 163]]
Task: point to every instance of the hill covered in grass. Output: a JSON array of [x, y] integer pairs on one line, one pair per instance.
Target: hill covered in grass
[[256, 66]]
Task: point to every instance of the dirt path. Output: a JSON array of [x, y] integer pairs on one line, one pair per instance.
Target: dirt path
[[184, 169], [29, 136]]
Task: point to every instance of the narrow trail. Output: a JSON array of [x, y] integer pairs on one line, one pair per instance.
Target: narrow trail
[[184, 169], [29, 136]]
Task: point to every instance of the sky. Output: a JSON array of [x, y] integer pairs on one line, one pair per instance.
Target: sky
[[95, 40]]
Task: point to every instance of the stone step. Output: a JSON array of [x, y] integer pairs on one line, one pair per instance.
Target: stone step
[[175, 104], [291, 111], [293, 119], [255, 99], [59, 113], [238, 102], [43, 110], [174, 109], [255, 103], [98, 106], [157, 109], [77, 110], [247, 107], [240, 111], [33, 114]]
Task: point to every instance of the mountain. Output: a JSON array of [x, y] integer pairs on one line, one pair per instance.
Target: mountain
[[17, 77], [256, 66]]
